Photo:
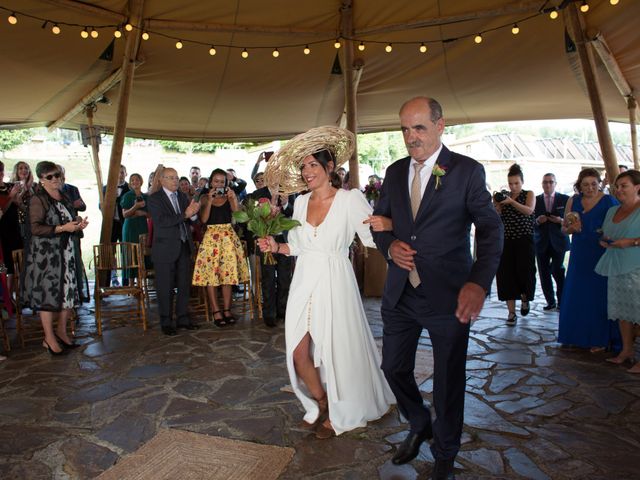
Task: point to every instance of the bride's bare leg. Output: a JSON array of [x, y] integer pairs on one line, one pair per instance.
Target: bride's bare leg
[[305, 369]]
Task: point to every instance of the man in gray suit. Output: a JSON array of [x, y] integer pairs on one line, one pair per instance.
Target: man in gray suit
[[433, 196], [171, 213]]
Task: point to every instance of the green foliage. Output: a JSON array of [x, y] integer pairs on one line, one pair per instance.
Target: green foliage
[[202, 147], [10, 139], [380, 149], [261, 221]]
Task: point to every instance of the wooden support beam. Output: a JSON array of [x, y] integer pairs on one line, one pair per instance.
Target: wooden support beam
[[85, 7], [609, 60], [95, 157], [90, 98], [176, 25], [346, 20], [516, 8], [574, 21], [126, 85], [633, 115]]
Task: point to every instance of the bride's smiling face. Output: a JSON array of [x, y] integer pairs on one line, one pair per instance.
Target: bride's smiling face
[[314, 173]]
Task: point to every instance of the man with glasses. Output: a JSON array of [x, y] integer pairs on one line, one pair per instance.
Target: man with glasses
[[551, 244], [171, 213]]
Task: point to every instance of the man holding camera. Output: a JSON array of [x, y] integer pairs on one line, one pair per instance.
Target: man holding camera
[[551, 244]]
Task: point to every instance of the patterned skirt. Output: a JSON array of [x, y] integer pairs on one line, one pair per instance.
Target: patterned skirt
[[623, 300], [220, 259]]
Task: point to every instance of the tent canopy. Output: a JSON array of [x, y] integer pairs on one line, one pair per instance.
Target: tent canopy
[[189, 94]]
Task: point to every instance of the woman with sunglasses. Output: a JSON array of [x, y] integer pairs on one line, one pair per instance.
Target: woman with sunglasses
[[52, 265]]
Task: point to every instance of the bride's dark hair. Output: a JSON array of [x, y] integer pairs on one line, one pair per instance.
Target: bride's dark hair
[[324, 157]]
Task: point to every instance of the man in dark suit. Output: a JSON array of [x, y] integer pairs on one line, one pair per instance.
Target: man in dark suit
[[551, 244], [433, 196], [275, 279], [171, 213]]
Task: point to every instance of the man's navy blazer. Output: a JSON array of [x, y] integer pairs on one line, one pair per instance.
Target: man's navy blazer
[[549, 233], [166, 226], [440, 232]]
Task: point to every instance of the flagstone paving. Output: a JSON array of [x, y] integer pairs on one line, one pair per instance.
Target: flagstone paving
[[533, 409]]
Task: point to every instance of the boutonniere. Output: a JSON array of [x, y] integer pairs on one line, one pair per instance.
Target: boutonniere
[[438, 172]]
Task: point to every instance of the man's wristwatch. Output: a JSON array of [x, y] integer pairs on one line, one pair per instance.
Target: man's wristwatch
[[636, 242]]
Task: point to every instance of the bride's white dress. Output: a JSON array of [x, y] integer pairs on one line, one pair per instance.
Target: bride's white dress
[[324, 300]]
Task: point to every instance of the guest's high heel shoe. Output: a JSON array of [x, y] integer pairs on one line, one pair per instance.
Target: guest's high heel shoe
[[52, 352], [67, 345], [620, 360]]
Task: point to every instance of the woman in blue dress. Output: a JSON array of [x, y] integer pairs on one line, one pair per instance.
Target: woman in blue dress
[[583, 315]]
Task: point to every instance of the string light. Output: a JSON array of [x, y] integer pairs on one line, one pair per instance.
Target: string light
[[84, 33], [55, 29], [388, 48], [553, 14], [128, 27], [361, 47], [478, 38], [12, 19], [145, 35], [584, 8], [212, 51], [515, 29], [244, 53], [275, 53], [423, 48], [306, 50], [337, 43], [179, 44], [94, 33], [614, 2], [117, 33]]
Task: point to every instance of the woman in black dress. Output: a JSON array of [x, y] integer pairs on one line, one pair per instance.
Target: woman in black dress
[[516, 276]]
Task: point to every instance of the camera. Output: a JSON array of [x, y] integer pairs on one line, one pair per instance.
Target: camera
[[220, 191], [548, 214], [267, 156], [500, 196], [140, 199]]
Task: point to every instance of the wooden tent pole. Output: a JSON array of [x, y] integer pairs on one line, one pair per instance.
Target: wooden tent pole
[[633, 114], [126, 84], [94, 151], [593, 88], [346, 12]]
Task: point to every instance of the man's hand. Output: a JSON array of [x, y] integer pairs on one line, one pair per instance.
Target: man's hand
[[470, 301], [192, 209], [379, 223], [402, 254], [542, 219]]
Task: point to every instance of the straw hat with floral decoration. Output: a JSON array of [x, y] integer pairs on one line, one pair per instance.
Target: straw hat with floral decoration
[[283, 170]]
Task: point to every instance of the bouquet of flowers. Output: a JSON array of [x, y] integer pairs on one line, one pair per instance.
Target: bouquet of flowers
[[264, 219], [372, 191]]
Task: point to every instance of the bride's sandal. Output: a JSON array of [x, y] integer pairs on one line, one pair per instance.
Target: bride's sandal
[[325, 430], [323, 407]]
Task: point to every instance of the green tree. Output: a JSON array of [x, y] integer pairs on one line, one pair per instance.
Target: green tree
[[380, 149], [10, 139]]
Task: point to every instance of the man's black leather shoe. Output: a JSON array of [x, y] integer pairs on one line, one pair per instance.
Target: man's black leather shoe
[[410, 447], [443, 470], [549, 307], [270, 322], [169, 331], [190, 326]]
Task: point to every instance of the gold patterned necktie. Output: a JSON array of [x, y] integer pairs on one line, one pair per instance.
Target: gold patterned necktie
[[416, 198]]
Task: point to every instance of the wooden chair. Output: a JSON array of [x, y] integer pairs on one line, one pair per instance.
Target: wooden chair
[[147, 274], [248, 296], [113, 257]]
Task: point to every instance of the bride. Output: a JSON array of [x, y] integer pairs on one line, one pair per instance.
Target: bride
[[333, 362]]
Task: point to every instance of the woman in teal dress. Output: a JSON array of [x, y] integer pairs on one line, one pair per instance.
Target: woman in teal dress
[[583, 314], [621, 262], [134, 210]]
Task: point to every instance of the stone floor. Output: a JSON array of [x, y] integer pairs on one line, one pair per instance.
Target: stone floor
[[533, 409]]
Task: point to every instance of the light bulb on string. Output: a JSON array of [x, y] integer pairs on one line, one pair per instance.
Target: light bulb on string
[[306, 50], [275, 53], [12, 19], [337, 43], [244, 53], [515, 29], [614, 2], [361, 47], [145, 35], [478, 38], [55, 29], [179, 44], [423, 48], [94, 33], [584, 8], [388, 48], [212, 51], [117, 33], [553, 14], [128, 27], [84, 33]]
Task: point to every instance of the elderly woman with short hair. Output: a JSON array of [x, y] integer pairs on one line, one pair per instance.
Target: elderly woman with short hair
[[52, 264]]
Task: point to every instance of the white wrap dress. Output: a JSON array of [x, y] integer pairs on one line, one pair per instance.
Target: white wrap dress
[[324, 300]]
